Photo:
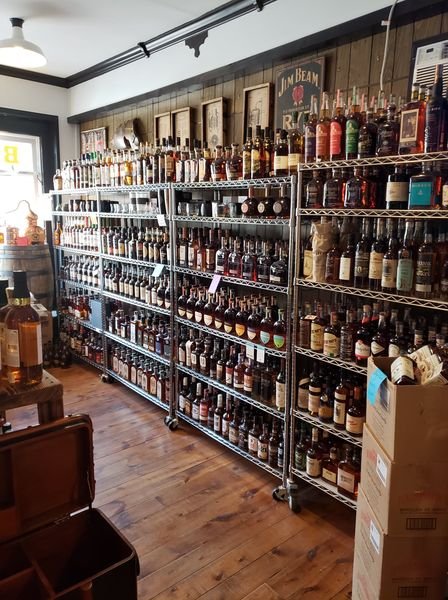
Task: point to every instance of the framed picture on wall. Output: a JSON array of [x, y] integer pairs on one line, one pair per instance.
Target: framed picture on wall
[[294, 87], [181, 124], [212, 126], [257, 106], [162, 126], [94, 140]]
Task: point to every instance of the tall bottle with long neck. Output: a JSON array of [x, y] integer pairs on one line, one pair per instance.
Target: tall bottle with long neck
[[310, 132], [436, 121], [4, 308], [323, 130], [23, 336]]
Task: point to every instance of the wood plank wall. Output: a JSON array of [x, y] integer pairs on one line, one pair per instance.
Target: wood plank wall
[[348, 63]]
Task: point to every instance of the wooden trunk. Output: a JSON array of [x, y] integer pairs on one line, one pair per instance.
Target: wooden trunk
[[46, 552]]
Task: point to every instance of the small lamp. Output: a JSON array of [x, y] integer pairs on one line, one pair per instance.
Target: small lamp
[[17, 52]]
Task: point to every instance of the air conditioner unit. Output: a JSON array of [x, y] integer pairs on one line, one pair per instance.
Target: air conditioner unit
[[428, 59]]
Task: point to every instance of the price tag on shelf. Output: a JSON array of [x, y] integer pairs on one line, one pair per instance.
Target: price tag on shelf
[[260, 355], [161, 221], [214, 284], [373, 385], [250, 351], [158, 270]]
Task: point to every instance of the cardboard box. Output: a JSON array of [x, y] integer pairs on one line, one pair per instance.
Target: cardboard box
[[408, 499], [409, 421], [397, 566], [46, 322]]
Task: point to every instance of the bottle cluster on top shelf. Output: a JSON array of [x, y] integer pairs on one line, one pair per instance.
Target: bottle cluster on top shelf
[[138, 284], [80, 233], [406, 187], [324, 457], [353, 332], [149, 244], [251, 430], [144, 329], [222, 252], [334, 398], [227, 363], [144, 373], [401, 257], [254, 318]]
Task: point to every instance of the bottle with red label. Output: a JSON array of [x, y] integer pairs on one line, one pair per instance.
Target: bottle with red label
[[323, 131], [363, 338], [337, 129]]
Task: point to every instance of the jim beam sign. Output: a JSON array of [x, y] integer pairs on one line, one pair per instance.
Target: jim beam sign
[[294, 88]]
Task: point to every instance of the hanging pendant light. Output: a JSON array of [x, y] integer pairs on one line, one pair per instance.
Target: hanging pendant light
[[17, 52]]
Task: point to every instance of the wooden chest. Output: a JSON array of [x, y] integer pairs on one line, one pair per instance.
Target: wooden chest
[[53, 544]]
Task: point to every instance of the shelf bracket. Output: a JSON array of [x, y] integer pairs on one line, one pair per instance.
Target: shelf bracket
[[259, 4], [146, 52], [195, 42]]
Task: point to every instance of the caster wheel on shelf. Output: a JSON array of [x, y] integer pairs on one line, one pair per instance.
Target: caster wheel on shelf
[[279, 494], [106, 379], [167, 420], [172, 426]]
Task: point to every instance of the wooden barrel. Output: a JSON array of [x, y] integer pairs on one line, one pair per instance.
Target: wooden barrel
[[36, 261]]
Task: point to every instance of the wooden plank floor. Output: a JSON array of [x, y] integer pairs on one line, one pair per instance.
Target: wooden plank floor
[[201, 518]]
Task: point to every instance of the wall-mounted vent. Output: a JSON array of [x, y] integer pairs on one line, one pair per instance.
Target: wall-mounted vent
[[427, 60]]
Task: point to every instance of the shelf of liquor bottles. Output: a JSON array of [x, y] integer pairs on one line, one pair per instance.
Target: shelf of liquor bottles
[[232, 338], [374, 213], [231, 391], [374, 295], [134, 262], [82, 322], [128, 344], [71, 213], [131, 215], [136, 303], [233, 184], [336, 362], [392, 160], [87, 360], [138, 390], [323, 486], [273, 471], [105, 189], [79, 284], [84, 251], [231, 220], [316, 422], [269, 287]]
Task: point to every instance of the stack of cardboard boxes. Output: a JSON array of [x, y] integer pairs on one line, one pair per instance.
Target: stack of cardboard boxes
[[401, 543]]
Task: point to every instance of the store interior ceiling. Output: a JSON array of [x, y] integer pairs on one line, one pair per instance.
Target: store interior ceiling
[[79, 34]]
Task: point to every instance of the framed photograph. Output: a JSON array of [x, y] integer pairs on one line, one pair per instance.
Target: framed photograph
[[94, 140], [162, 126], [294, 87], [257, 106], [212, 125], [181, 124]]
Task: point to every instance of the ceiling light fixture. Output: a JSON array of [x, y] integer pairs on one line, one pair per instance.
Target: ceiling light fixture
[[17, 52]]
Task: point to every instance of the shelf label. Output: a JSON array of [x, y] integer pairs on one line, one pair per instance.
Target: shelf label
[[375, 537], [158, 270], [250, 351], [381, 470], [374, 384], [161, 221], [260, 355], [214, 284]]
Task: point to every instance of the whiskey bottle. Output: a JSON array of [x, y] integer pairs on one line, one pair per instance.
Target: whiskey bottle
[[282, 204], [397, 190], [314, 391], [334, 190], [377, 252], [380, 341], [388, 133], [435, 127], [348, 476], [347, 262], [263, 443], [326, 403], [310, 131], [323, 131], [266, 328], [390, 261], [332, 337], [352, 127], [424, 271], [412, 131], [300, 450], [337, 129], [330, 467], [279, 270], [24, 359], [218, 415], [295, 145], [257, 160], [234, 427], [243, 431], [250, 204], [313, 456], [340, 404], [367, 139], [314, 191], [279, 330], [362, 256], [403, 371], [281, 154], [273, 446], [252, 438], [356, 414], [246, 154], [280, 387], [363, 338]]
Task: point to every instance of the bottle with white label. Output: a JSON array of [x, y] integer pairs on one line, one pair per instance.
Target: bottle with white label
[[356, 414], [348, 476], [280, 387], [24, 357], [313, 456], [330, 467]]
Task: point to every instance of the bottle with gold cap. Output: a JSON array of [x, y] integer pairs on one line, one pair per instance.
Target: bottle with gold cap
[[24, 358], [4, 308]]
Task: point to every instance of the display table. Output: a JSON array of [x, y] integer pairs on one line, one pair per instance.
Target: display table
[[47, 395]]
